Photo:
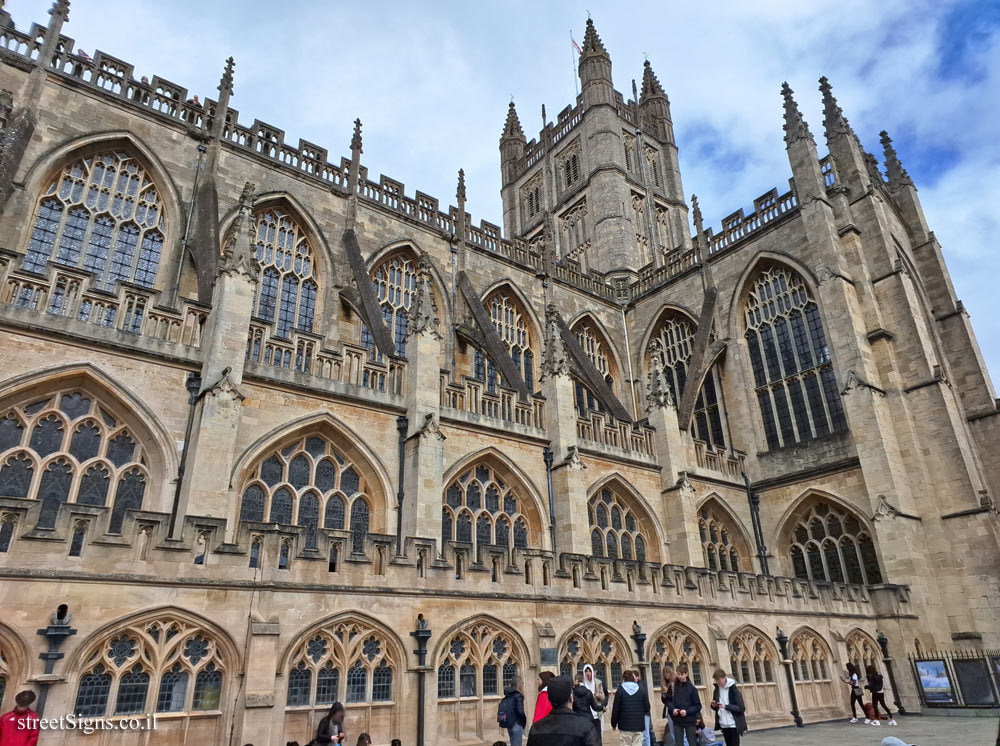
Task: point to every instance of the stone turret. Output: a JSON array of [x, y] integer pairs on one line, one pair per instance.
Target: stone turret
[[512, 144], [595, 70], [845, 147], [654, 107]]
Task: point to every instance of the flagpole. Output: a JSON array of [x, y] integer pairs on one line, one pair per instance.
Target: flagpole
[[572, 57]]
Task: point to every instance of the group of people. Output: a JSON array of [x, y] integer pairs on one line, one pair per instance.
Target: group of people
[[571, 712], [876, 686]]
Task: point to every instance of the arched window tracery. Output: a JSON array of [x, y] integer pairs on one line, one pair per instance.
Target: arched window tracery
[[675, 334], [812, 669], [163, 664], [67, 446], [309, 482], [479, 661], [101, 213], [595, 348], [721, 544], [752, 659], [395, 282], [350, 661], [676, 645], [831, 544], [793, 374], [511, 322], [862, 650], [286, 292], [595, 644], [480, 503], [616, 531]]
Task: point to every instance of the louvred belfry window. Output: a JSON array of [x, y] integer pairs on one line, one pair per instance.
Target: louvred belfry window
[[793, 375], [286, 291], [103, 214], [68, 448]]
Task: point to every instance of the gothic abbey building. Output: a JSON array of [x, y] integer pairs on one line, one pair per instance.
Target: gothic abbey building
[[263, 416]]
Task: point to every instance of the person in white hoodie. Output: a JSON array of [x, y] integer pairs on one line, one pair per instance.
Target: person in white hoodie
[[730, 710]]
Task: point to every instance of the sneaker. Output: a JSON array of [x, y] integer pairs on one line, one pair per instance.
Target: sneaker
[[867, 721], [876, 722], [854, 720], [892, 722]]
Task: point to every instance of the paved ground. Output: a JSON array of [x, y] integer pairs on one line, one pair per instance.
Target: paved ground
[[922, 730]]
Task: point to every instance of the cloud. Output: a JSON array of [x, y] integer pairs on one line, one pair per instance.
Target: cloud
[[431, 83]]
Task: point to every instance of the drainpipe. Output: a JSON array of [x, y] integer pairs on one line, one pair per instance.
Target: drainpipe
[[193, 385], [631, 375], [402, 423], [547, 456], [421, 634], [758, 532], [175, 290]]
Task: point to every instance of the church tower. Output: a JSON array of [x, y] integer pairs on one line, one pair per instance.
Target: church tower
[[605, 173]]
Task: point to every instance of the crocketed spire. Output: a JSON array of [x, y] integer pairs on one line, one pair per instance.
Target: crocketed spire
[[834, 121], [512, 127], [650, 83], [795, 126], [226, 82], [592, 43], [460, 191], [356, 142], [898, 177]]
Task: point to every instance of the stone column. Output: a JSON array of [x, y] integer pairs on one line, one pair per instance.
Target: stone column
[[206, 489], [569, 483], [424, 468], [263, 692]]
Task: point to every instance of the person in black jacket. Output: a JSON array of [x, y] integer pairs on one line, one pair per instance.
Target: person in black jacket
[[628, 714], [586, 704], [562, 726], [331, 727], [876, 686], [686, 707], [512, 695], [730, 710]]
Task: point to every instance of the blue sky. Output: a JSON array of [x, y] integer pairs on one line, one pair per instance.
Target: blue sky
[[431, 83]]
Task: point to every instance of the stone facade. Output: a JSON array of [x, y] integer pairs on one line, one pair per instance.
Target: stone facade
[[258, 412]]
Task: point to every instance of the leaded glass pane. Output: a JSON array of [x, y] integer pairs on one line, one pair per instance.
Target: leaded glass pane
[[326, 475], [491, 685], [121, 449], [446, 681], [132, 689], [252, 508], [520, 534], [299, 684], [86, 441], [47, 436], [173, 689], [92, 696], [281, 507], [15, 476], [382, 683], [76, 544], [357, 683], [207, 689], [54, 491], [6, 534], [349, 481], [11, 431], [467, 680], [131, 488]]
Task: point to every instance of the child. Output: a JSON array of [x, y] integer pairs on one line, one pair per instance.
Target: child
[[706, 736]]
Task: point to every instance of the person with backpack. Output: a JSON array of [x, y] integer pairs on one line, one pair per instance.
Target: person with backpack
[[628, 714], [876, 686], [584, 703], [730, 710], [854, 682], [686, 708], [510, 712]]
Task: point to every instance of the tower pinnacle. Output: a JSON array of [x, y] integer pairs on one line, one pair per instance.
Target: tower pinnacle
[[834, 121], [898, 176], [650, 83], [592, 43], [795, 126], [226, 82], [512, 127]]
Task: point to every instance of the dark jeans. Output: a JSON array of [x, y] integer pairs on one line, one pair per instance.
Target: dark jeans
[[878, 698], [685, 735], [596, 722], [857, 698], [731, 736]]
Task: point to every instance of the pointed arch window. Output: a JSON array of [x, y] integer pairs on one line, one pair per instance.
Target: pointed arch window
[[721, 546], [480, 498], [511, 322], [395, 283], [303, 481], [793, 374], [676, 335], [66, 447], [810, 657], [286, 292], [862, 650], [151, 664], [347, 661], [596, 645], [752, 659], [593, 345], [831, 544], [485, 659], [101, 213], [614, 528], [676, 645]]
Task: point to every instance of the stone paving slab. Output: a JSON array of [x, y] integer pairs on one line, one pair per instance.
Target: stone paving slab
[[922, 730]]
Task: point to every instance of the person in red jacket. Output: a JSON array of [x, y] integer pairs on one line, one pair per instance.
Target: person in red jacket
[[19, 727], [542, 705]]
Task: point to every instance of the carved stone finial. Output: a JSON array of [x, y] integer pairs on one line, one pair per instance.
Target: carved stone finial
[[60, 8], [460, 191], [592, 43], [696, 214], [659, 394], [650, 83], [834, 121], [238, 255], [423, 315], [795, 126], [898, 177], [555, 360], [512, 126], [226, 83], [356, 138]]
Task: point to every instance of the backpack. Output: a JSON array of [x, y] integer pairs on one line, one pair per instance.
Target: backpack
[[506, 712]]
